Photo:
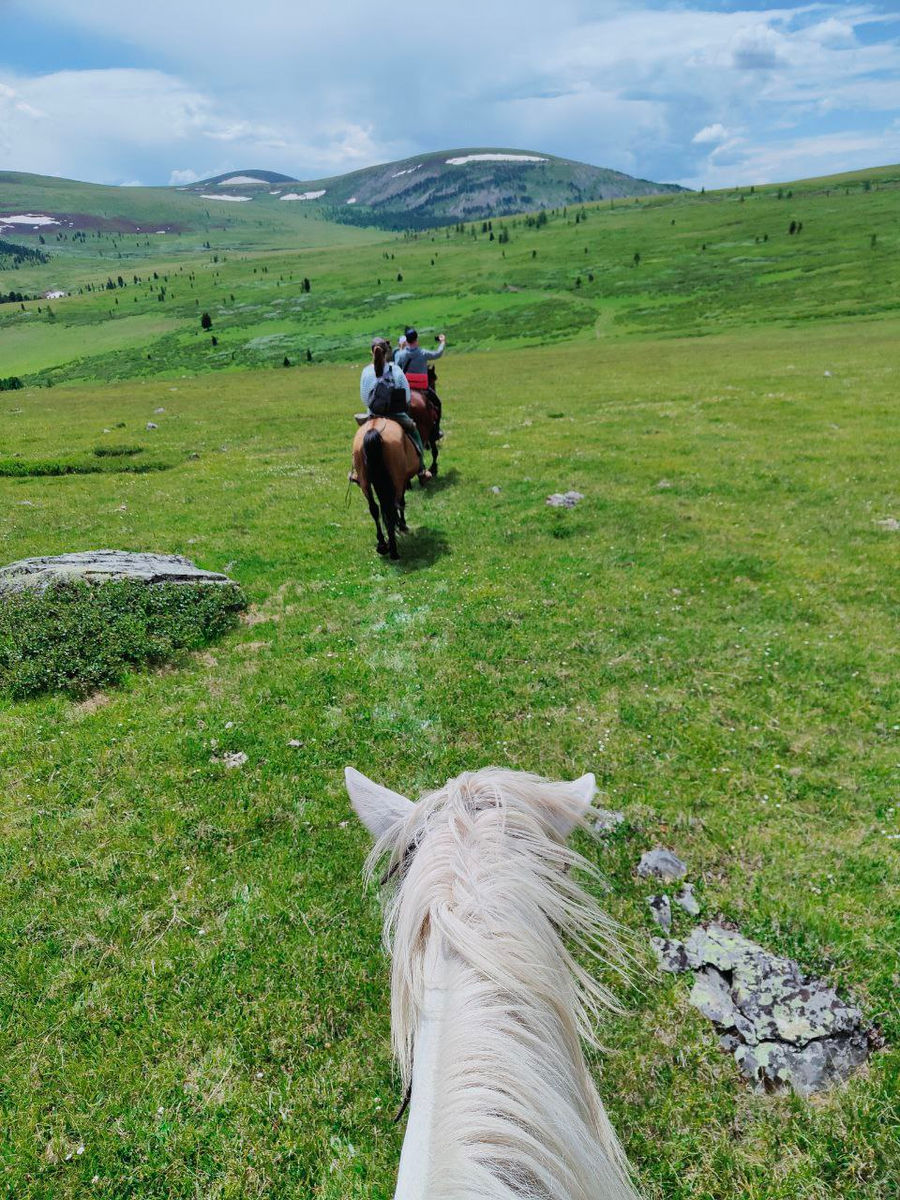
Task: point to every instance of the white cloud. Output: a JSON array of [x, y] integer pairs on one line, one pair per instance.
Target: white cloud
[[294, 87], [710, 134], [759, 48]]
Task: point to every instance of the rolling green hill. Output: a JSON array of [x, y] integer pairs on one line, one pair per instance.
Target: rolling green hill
[[687, 263], [429, 190]]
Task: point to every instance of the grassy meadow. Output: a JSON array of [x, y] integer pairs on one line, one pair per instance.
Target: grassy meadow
[[193, 1001]]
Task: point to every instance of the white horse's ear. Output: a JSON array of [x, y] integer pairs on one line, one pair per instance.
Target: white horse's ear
[[377, 807], [580, 793]]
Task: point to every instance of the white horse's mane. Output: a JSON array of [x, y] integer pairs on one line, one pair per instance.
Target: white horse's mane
[[482, 863]]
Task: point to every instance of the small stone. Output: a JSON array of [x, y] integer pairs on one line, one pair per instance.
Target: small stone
[[495, 490], [661, 864], [607, 820], [663, 484], [827, 374], [564, 499], [152, 425], [686, 900], [295, 742], [662, 911], [889, 523], [230, 761], [193, 456], [159, 410]]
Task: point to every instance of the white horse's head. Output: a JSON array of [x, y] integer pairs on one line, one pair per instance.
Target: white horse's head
[[489, 1004]]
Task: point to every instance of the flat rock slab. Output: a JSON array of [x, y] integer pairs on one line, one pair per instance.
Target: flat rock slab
[[99, 566], [782, 1027]]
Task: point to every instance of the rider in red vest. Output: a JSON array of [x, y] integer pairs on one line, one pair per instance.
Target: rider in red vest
[[413, 362]]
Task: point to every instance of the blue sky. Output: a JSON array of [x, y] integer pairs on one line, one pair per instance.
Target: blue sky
[[700, 92]]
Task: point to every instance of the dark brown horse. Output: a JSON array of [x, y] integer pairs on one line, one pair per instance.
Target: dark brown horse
[[385, 461], [425, 416]]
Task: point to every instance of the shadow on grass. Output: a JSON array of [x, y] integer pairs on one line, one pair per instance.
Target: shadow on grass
[[444, 479], [421, 548]]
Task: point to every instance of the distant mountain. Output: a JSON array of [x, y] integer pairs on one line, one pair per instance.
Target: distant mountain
[[242, 179], [469, 184], [428, 190]]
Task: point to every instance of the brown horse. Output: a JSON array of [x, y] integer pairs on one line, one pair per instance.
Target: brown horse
[[426, 416], [385, 461]]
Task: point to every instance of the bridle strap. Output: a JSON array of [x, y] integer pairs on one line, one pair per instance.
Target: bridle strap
[[405, 1105]]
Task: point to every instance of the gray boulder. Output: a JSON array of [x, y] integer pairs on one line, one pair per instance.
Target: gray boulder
[[98, 566]]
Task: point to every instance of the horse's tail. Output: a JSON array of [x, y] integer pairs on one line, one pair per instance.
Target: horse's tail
[[378, 475]]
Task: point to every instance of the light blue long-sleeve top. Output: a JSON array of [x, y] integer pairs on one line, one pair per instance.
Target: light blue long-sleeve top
[[368, 379]]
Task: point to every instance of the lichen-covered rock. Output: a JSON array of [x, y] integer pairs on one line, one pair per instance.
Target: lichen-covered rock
[[672, 955], [789, 1029], [712, 996], [807, 1069], [661, 864], [98, 566]]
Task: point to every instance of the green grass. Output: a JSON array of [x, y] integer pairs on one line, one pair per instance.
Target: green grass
[[192, 988]]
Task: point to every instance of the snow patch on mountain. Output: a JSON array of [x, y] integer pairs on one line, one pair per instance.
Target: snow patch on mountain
[[470, 158], [304, 195]]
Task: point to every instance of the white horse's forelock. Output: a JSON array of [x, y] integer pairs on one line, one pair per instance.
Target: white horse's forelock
[[480, 864]]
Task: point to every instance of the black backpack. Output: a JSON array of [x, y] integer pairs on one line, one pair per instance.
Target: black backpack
[[385, 397]]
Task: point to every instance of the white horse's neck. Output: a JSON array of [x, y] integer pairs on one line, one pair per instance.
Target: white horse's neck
[[418, 1152]]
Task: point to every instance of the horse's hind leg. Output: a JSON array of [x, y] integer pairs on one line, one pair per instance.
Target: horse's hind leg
[[401, 514], [382, 545], [434, 457], [391, 522]]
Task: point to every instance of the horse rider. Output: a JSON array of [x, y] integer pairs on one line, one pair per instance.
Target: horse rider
[[370, 376], [413, 360]]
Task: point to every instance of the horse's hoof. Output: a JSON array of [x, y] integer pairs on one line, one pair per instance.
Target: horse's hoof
[[404, 528], [395, 555], [382, 548]]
